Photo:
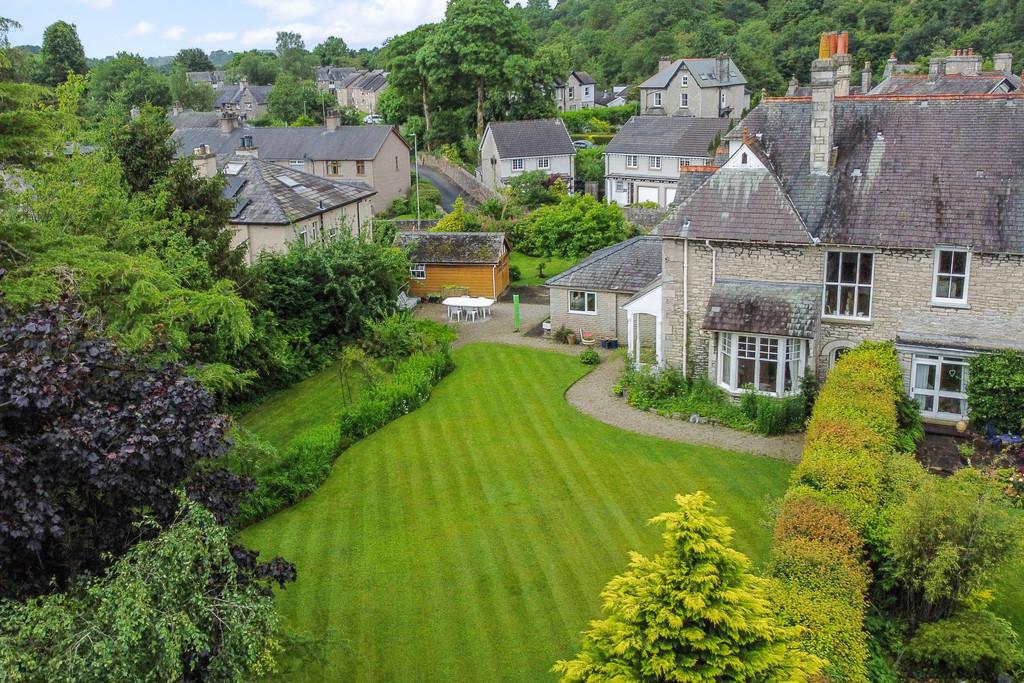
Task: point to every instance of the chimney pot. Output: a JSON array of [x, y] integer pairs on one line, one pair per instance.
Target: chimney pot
[[823, 52], [844, 43], [833, 43]]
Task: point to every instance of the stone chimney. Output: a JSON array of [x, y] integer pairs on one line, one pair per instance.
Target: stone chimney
[[936, 68], [823, 83], [793, 85], [176, 108], [664, 63], [890, 66], [723, 66], [844, 64], [964, 62], [243, 83], [865, 79], [247, 148], [332, 120], [1003, 61], [228, 122], [204, 162]]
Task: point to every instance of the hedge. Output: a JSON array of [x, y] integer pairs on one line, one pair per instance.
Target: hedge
[[839, 493], [995, 390]]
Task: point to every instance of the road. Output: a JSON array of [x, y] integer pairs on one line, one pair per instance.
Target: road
[[449, 190]]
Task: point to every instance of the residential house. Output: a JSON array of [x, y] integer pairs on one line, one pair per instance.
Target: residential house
[[353, 88], [214, 79], [576, 92], [589, 296], [613, 98], [186, 118], [366, 90], [375, 155], [706, 87], [328, 77], [649, 156], [958, 74], [244, 100], [477, 261], [510, 148], [275, 206], [843, 219]]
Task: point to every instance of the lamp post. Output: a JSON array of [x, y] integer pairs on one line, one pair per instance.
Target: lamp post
[[416, 161]]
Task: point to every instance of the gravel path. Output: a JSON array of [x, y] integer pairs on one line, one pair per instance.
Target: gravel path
[[591, 395]]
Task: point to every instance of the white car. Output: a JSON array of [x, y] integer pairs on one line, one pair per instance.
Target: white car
[[371, 119]]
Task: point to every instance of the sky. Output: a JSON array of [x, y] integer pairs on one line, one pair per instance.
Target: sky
[[152, 28]]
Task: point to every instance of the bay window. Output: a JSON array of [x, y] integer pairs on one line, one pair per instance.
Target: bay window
[[848, 281], [939, 384], [771, 365]]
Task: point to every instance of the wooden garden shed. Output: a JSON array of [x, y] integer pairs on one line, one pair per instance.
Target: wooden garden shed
[[476, 261]]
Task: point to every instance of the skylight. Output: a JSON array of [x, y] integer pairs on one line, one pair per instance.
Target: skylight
[[287, 181], [233, 168]]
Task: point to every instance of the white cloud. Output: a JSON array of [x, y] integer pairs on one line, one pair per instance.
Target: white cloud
[[174, 32], [218, 38], [142, 28], [97, 4]]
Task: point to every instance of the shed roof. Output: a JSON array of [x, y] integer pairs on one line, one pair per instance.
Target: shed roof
[[453, 247], [775, 308], [627, 267], [684, 136], [537, 138]]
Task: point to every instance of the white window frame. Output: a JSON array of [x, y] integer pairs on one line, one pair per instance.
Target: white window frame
[[589, 302], [518, 165], [684, 100], [654, 163], [920, 362], [657, 99], [950, 301], [620, 185], [788, 351], [586, 91], [543, 163], [572, 92], [684, 79], [839, 285], [297, 164], [632, 161], [418, 271], [336, 166]]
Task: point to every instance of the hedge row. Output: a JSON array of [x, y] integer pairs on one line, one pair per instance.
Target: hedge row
[[832, 508], [306, 462]]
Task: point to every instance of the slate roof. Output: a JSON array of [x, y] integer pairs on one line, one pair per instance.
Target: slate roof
[[684, 136], [688, 184], [624, 267], [232, 94], [583, 77], [266, 193], [603, 97], [371, 80], [453, 247], [737, 204], [345, 143], [775, 308], [195, 119], [537, 138], [949, 84], [333, 73], [703, 69], [211, 77]]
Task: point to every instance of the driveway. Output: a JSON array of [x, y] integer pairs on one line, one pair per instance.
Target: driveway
[[449, 190]]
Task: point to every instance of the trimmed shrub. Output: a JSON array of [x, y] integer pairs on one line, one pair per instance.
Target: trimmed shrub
[[995, 390], [973, 644], [515, 274], [589, 357]]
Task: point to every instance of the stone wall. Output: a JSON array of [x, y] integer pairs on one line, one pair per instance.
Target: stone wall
[[475, 190], [608, 322]]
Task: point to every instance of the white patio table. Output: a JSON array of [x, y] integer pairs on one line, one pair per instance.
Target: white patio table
[[457, 304]]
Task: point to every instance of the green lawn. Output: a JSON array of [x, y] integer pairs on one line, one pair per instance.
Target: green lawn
[[528, 267], [468, 541], [311, 403]]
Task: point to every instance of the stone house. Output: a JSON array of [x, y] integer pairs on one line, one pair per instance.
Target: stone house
[[214, 79], [353, 88], [375, 155], [650, 155], [842, 219], [576, 92], [275, 206], [510, 148], [589, 296], [705, 87], [243, 100]]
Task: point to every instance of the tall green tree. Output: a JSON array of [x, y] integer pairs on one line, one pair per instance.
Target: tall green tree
[[333, 52], [127, 76], [257, 67], [693, 613], [292, 98], [142, 144], [409, 75], [483, 35], [197, 96], [62, 53], [293, 57], [193, 59]]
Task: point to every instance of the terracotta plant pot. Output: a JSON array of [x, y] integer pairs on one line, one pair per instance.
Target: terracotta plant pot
[[571, 339]]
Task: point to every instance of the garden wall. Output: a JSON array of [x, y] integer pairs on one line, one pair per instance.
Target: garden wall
[[476, 191]]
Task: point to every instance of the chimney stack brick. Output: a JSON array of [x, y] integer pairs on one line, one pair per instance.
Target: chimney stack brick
[[664, 63], [823, 81]]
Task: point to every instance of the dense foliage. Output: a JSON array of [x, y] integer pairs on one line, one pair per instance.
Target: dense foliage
[[995, 390], [174, 608], [692, 613], [575, 227], [972, 645]]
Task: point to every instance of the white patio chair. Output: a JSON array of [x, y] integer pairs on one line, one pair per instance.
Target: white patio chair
[[455, 313], [471, 314]]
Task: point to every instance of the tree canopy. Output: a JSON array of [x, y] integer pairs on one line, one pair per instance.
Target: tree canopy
[[62, 53], [193, 59]]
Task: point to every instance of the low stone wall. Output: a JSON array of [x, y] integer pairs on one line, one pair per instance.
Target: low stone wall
[[475, 190], [412, 225]]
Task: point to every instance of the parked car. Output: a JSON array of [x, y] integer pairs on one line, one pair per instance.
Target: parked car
[[582, 144], [371, 119]]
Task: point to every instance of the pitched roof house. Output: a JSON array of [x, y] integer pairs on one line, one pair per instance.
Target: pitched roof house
[[576, 92], [706, 87], [649, 156], [214, 79], [375, 155], [887, 222], [274, 206], [477, 261], [509, 148], [958, 74], [244, 100]]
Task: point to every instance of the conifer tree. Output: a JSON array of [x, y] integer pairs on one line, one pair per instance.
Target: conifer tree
[[693, 613]]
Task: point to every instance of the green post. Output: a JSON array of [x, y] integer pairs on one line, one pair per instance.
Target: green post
[[515, 311]]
